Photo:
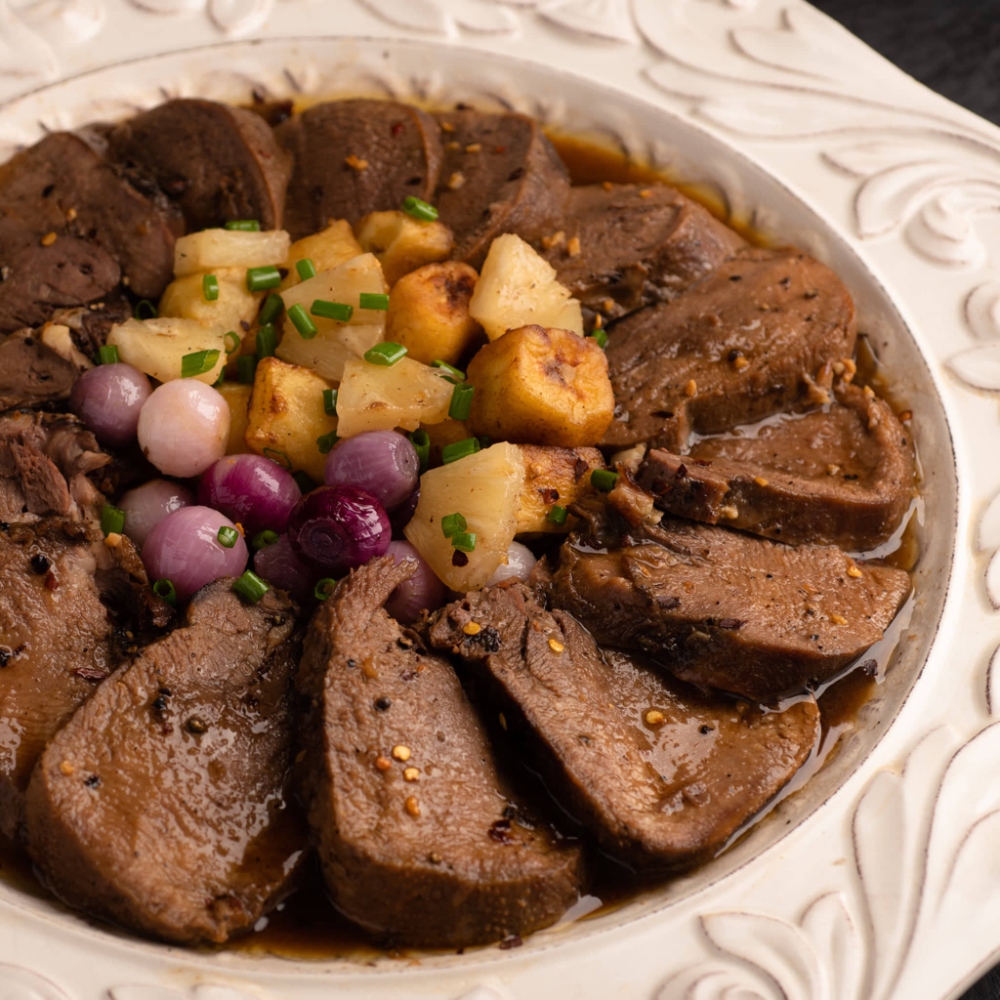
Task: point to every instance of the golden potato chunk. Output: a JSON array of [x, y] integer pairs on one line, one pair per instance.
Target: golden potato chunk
[[553, 477], [287, 417], [236, 305], [237, 397], [429, 312], [403, 243], [328, 249], [541, 386]]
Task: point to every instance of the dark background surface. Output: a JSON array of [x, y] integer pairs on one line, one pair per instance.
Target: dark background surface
[[952, 46]]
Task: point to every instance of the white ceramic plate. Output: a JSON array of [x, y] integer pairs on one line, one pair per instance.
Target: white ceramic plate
[[880, 878]]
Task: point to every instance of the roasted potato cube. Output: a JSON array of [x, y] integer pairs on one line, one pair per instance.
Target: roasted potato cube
[[541, 386], [429, 312], [447, 432], [553, 477], [158, 346], [211, 249], [402, 243], [185, 298], [328, 249], [237, 396], [287, 417], [518, 287]]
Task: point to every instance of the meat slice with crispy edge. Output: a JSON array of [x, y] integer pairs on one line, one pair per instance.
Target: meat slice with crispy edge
[[842, 475], [355, 157], [748, 340], [419, 838], [661, 774], [217, 163], [164, 803]]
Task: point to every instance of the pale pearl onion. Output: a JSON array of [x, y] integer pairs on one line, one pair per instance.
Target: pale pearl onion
[[184, 427]]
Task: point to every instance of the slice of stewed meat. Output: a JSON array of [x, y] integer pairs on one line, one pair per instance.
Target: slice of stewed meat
[[662, 774], [841, 475], [355, 157], [217, 163], [420, 840], [164, 803], [500, 175], [747, 341]]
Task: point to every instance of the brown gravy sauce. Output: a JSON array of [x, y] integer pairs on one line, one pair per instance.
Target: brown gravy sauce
[[308, 928]]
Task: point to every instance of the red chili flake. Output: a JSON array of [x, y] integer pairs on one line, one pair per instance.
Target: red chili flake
[[580, 469], [500, 832], [549, 495], [397, 128], [500, 149], [51, 582]]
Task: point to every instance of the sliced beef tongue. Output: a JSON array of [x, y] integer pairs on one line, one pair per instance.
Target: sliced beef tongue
[[505, 163], [842, 475], [355, 157], [163, 804], [217, 163], [38, 367], [661, 774], [623, 246], [419, 839], [744, 342]]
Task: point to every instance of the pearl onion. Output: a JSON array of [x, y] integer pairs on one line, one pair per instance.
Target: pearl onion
[[184, 427]]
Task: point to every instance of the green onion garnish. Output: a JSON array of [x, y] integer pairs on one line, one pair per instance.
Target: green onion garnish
[[278, 456], [263, 539], [272, 307], [251, 587], [419, 209], [460, 449], [461, 401], [601, 336], [465, 541], [112, 520], [144, 309], [267, 341], [339, 311], [233, 342], [453, 524], [369, 300], [306, 327], [306, 269], [261, 278], [166, 591], [108, 354], [198, 363], [451, 373], [330, 401], [227, 536], [324, 588], [603, 480], [304, 481], [557, 515], [246, 368], [385, 354], [244, 225], [210, 287], [421, 442], [326, 442]]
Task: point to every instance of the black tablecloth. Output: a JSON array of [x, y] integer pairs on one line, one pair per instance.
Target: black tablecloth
[[953, 46]]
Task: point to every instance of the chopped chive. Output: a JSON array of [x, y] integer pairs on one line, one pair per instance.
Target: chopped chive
[[263, 539], [278, 456], [326, 442], [251, 587], [300, 318], [306, 269], [419, 209], [246, 368], [603, 480], [112, 520], [421, 441], [244, 225], [385, 354], [227, 536], [465, 541], [144, 309], [369, 300], [267, 341], [460, 449], [324, 588], [340, 311], [272, 307], [461, 401], [453, 524], [261, 278], [304, 481], [601, 336], [233, 342], [166, 591], [108, 354], [452, 373], [557, 515], [210, 287], [330, 401], [198, 363]]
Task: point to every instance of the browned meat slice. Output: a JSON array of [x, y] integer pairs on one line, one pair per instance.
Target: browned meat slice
[[730, 611], [34, 371], [420, 841], [660, 790], [65, 185], [356, 157], [843, 475], [500, 175], [738, 345], [636, 245], [216, 162], [163, 804]]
